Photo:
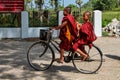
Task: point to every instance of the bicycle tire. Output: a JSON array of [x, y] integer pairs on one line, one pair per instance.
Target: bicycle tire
[[40, 56], [90, 65]]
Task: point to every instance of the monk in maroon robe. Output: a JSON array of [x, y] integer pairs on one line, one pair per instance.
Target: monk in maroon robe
[[68, 32], [71, 24], [87, 36]]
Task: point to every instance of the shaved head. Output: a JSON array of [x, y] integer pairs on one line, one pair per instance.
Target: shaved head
[[68, 10], [88, 13]]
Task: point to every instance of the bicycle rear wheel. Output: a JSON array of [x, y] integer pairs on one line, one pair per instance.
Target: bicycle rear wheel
[[40, 56], [90, 65]]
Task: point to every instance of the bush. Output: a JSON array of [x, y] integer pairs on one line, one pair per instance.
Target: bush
[[116, 9], [108, 16], [105, 22]]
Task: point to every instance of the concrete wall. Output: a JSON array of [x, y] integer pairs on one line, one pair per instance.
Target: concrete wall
[[17, 33], [23, 32], [26, 32], [35, 32], [10, 32]]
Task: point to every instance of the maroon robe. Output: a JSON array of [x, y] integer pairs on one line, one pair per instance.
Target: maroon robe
[[87, 36], [65, 43]]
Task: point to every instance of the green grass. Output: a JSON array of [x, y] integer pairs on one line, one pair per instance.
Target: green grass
[[116, 9], [107, 17], [104, 34]]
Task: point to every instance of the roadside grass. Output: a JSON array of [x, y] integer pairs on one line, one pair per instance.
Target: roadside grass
[[107, 17], [105, 34]]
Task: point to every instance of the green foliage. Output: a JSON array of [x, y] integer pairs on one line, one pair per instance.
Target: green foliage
[[87, 6], [104, 34], [108, 16], [53, 21], [73, 7], [61, 7], [102, 5], [79, 2], [26, 4], [36, 21], [8, 20], [99, 5], [116, 9], [27, 1]]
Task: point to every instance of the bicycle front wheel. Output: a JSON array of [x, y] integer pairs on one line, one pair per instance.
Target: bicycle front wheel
[[40, 56], [90, 65]]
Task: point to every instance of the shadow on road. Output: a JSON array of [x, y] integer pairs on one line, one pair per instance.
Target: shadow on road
[[113, 56], [14, 65], [54, 72], [64, 68]]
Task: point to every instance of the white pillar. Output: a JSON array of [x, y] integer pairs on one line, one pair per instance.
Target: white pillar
[[60, 17], [98, 23], [24, 24]]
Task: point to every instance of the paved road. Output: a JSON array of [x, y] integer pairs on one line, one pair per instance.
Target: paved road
[[14, 66]]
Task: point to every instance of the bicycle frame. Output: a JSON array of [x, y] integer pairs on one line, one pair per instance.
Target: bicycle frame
[[52, 41], [55, 45]]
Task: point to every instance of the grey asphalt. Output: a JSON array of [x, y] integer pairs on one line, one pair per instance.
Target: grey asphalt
[[14, 65]]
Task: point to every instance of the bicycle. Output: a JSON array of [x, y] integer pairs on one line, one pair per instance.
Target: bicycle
[[41, 55]]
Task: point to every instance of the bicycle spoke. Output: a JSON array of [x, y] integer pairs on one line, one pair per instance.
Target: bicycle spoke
[[91, 64], [40, 56]]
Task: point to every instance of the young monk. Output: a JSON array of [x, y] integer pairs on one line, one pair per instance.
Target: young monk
[[86, 36], [68, 32]]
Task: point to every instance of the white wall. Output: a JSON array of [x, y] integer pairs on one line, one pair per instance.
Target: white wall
[[17, 33], [35, 32], [26, 32], [10, 33]]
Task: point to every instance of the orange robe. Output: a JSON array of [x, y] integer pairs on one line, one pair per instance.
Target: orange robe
[[87, 36], [65, 33]]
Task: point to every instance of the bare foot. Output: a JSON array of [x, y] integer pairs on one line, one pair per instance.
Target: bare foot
[[58, 60], [84, 58]]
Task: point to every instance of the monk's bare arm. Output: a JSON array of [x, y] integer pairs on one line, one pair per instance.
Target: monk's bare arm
[[78, 28], [62, 25]]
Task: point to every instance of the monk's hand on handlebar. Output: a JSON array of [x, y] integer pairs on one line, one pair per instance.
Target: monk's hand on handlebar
[[51, 29]]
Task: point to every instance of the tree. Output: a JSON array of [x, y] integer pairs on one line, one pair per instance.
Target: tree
[[79, 2], [26, 3], [103, 4], [118, 3], [40, 4], [98, 5], [55, 3]]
